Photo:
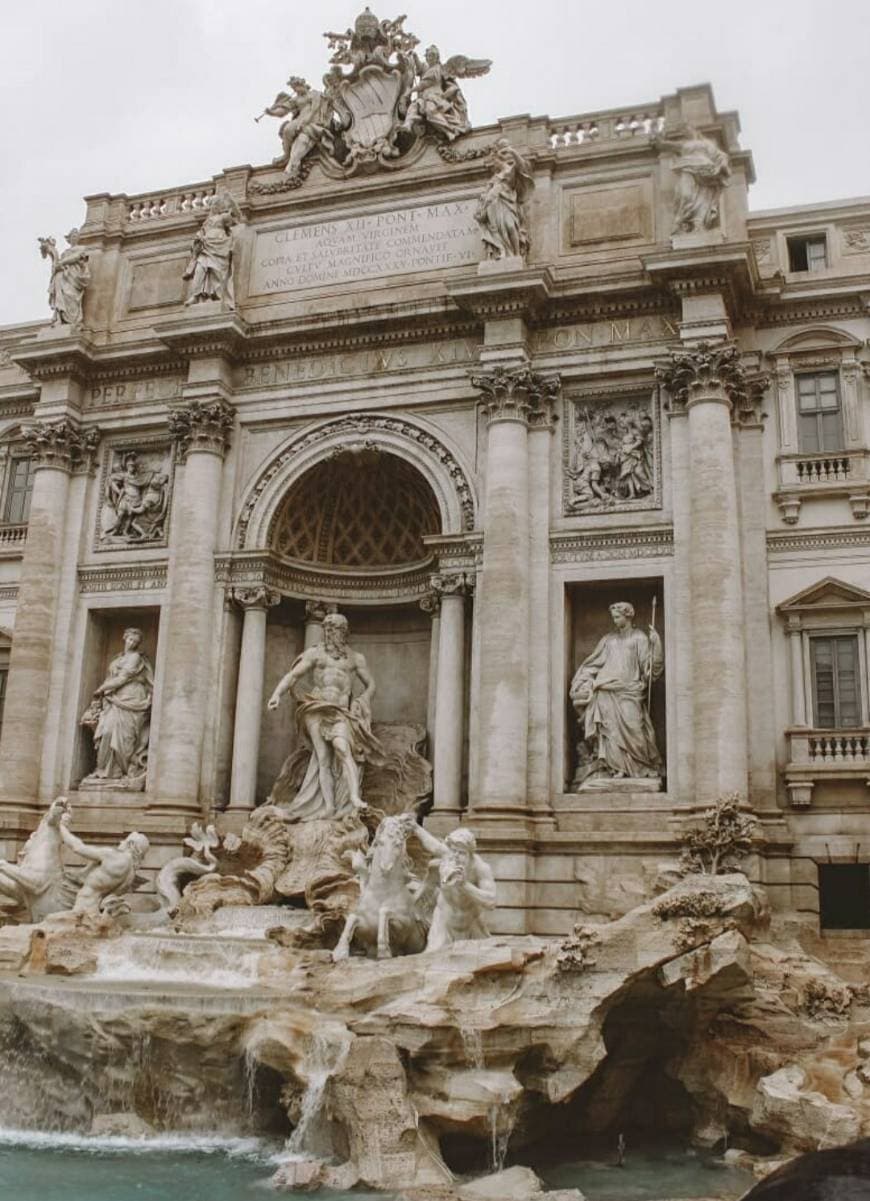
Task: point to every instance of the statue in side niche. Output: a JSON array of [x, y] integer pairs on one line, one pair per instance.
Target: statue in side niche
[[113, 872], [500, 213], [611, 693], [120, 717], [333, 715], [70, 276], [137, 499], [439, 103], [210, 267], [703, 171]]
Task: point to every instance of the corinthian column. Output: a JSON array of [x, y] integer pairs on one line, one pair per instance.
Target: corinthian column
[[452, 589], [255, 603], [58, 448], [509, 396], [201, 431], [708, 382]]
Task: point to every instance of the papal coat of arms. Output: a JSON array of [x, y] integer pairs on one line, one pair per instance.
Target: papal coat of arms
[[379, 101]]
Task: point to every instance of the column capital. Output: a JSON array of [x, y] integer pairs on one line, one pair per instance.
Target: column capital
[[256, 597], [516, 393], [452, 583], [201, 426], [62, 445], [713, 372], [317, 610], [430, 602]]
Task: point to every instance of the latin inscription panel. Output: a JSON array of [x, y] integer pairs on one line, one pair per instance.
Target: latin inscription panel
[[315, 254]]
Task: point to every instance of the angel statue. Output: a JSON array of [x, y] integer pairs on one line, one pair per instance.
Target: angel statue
[[70, 275], [499, 211], [210, 267], [439, 103], [309, 124]]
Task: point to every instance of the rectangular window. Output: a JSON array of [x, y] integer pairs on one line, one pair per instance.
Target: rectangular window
[[836, 688], [844, 896], [18, 491], [819, 415], [807, 254]]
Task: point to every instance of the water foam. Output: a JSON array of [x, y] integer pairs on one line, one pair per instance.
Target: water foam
[[108, 1144]]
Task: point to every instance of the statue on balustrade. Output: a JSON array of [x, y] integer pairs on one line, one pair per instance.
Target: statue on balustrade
[[439, 103], [70, 275], [611, 693], [210, 268], [333, 715], [703, 170], [500, 213], [120, 717], [309, 123]]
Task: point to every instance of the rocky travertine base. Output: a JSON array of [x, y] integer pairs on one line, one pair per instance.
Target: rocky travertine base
[[685, 1017]]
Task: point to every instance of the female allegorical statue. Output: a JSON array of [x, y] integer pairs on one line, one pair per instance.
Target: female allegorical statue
[[703, 170], [70, 275], [120, 717], [499, 211], [211, 257], [610, 694]]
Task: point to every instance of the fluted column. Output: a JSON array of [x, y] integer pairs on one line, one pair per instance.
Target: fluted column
[[255, 604], [201, 430], [315, 611], [708, 382], [58, 448], [508, 396], [452, 588]]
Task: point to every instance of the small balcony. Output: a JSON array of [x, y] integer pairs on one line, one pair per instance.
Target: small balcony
[[831, 474], [818, 756], [12, 539]]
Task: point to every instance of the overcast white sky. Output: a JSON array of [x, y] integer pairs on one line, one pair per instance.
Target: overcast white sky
[[135, 95]]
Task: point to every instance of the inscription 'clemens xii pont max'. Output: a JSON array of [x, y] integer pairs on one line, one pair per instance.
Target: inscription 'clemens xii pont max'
[[422, 237]]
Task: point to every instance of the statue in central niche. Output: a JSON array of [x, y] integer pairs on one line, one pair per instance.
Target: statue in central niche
[[334, 717], [611, 695]]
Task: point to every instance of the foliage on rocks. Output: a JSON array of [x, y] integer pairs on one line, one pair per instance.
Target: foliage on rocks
[[722, 840], [574, 953]]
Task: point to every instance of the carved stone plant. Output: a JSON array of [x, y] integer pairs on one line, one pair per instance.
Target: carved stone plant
[[722, 840]]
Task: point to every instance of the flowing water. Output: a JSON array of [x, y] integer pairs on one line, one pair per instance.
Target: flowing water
[[651, 1176], [501, 1118]]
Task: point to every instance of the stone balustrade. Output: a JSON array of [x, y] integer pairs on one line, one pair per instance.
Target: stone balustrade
[[816, 756], [12, 535], [169, 204], [842, 466], [611, 126]]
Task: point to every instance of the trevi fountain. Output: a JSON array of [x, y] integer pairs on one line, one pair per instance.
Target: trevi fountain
[[434, 760]]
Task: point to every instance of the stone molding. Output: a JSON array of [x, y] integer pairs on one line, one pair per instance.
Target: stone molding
[[401, 432], [516, 393], [297, 580], [202, 427], [794, 541], [258, 597], [62, 445], [8, 592], [147, 576], [612, 544], [713, 371]]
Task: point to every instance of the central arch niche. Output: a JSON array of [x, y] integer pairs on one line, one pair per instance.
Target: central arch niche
[[350, 529], [357, 509]]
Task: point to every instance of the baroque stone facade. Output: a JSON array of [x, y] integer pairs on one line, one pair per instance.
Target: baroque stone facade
[[561, 373]]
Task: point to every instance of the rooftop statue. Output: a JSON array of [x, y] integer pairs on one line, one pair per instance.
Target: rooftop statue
[[70, 275], [378, 99], [210, 268], [499, 210], [703, 170]]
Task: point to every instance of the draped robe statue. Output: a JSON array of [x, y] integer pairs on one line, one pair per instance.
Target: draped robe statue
[[120, 717], [609, 692]]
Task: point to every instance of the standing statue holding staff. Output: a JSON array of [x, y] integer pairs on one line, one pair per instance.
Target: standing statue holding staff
[[334, 721], [70, 275], [611, 694]]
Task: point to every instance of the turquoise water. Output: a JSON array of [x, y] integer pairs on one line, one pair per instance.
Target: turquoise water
[[648, 1177], [76, 1168]]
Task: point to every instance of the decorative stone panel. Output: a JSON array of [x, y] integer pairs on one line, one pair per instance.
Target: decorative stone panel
[[611, 454], [136, 483]]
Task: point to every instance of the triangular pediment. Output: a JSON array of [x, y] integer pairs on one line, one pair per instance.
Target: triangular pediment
[[829, 594]]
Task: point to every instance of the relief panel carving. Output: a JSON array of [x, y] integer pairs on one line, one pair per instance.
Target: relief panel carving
[[612, 455], [135, 493]]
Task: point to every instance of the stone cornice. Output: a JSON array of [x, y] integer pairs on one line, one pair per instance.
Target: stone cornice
[[55, 357], [302, 580], [202, 335], [503, 293], [818, 538]]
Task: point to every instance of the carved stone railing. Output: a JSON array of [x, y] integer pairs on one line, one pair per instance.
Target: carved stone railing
[[12, 536], [614, 125], [819, 755], [172, 203], [842, 466]]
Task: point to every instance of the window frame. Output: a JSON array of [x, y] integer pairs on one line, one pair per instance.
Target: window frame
[[815, 637], [10, 492], [806, 241], [819, 412]]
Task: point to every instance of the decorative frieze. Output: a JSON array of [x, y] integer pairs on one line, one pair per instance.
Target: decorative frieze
[[135, 491], [124, 577], [201, 426], [612, 544], [612, 455], [61, 445], [515, 393]]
